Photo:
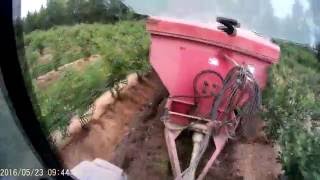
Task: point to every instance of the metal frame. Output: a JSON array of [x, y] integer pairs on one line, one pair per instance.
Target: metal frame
[[17, 94]]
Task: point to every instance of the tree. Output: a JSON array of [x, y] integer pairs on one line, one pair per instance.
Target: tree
[[43, 18], [97, 10], [318, 50], [57, 14], [66, 12], [30, 23], [78, 10]]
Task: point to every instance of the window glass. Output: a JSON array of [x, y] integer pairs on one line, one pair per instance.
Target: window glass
[[292, 20], [96, 94], [15, 150]]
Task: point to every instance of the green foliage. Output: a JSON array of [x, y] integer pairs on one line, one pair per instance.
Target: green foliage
[[84, 41], [125, 52], [292, 103], [32, 56], [300, 152], [126, 40], [123, 48], [71, 94], [118, 71]]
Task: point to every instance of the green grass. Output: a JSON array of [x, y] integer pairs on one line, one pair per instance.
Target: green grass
[[293, 104]]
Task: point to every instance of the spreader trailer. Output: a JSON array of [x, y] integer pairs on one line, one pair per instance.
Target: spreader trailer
[[214, 75]]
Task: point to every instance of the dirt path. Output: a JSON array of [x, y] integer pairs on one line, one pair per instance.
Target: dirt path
[[129, 134], [255, 161], [252, 158], [143, 154], [112, 122], [246, 161]]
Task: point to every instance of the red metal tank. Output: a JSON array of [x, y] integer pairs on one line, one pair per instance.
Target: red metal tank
[[180, 49], [192, 61]]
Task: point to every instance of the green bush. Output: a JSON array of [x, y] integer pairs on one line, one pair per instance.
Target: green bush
[[130, 44], [69, 43], [41, 69], [32, 57], [71, 94], [123, 48], [292, 103]]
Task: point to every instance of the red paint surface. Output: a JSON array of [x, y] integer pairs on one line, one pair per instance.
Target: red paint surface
[[180, 50]]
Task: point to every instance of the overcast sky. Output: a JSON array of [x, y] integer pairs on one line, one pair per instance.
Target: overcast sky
[[282, 8], [31, 5]]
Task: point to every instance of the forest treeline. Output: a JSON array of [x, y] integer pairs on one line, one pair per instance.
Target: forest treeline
[[70, 12]]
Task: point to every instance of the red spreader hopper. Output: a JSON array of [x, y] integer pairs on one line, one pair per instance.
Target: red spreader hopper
[[214, 74]]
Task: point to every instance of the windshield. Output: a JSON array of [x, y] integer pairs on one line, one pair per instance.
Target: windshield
[[294, 20], [106, 82]]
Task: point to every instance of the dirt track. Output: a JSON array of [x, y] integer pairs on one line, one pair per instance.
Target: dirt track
[[129, 133], [111, 121]]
